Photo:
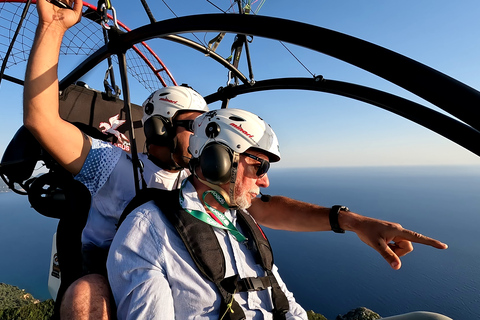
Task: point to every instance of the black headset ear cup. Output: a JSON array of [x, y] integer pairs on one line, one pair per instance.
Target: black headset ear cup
[[216, 163], [158, 131]]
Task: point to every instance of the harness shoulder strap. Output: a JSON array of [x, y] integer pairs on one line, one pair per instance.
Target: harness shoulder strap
[[199, 239], [265, 258], [142, 196], [203, 246], [258, 241]]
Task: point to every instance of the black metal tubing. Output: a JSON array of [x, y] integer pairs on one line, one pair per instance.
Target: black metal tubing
[[212, 54], [441, 90], [148, 11], [17, 31], [105, 52], [86, 65], [440, 123], [122, 61], [13, 79]]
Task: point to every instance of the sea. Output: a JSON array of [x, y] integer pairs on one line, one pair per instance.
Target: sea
[[329, 273]]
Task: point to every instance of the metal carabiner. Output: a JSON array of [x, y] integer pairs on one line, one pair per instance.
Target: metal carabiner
[[114, 15], [229, 78], [105, 19], [103, 10]]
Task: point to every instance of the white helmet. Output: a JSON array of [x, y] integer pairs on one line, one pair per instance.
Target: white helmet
[[235, 128], [218, 139], [160, 109], [167, 101]]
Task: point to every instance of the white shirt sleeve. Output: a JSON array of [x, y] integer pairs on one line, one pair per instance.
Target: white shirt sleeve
[[139, 284]]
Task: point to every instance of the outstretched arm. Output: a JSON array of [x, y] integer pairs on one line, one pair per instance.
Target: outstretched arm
[[67, 144], [389, 239]]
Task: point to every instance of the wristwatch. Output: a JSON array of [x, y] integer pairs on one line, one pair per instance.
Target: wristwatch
[[334, 218]]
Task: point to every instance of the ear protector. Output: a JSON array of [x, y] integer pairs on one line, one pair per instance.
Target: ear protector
[[216, 159], [158, 130], [216, 163]]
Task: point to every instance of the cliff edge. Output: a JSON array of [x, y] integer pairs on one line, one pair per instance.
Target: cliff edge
[[17, 304]]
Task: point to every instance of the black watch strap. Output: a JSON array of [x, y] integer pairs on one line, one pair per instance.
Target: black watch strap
[[334, 211]]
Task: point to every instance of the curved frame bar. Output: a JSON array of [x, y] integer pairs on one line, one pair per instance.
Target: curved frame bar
[[440, 123], [441, 90]]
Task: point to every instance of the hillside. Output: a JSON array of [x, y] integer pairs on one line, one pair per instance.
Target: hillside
[[15, 304]]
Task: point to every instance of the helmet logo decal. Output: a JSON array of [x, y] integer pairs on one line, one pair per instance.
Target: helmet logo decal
[[111, 128], [239, 128], [166, 99]]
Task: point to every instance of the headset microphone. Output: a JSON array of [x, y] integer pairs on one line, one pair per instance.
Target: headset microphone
[[265, 197]]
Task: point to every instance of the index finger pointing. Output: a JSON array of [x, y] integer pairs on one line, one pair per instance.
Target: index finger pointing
[[420, 238]]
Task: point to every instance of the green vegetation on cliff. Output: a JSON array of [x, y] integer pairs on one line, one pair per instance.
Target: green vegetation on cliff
[[17, 304], [315, 316], [39, 311], [13, 297]]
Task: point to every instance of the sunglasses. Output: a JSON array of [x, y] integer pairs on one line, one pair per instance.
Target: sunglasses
[[264, 164], [187, 124]]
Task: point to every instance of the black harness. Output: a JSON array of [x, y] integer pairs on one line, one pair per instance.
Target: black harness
[[202, 244]]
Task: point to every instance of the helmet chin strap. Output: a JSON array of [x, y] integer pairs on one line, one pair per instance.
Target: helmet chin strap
[[176, 165], [165, 165], [173, 146], [225, 195], [230, 197]]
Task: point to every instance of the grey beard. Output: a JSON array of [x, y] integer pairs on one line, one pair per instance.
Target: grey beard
[[242, 203]]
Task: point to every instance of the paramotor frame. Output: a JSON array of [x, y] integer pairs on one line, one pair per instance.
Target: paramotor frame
[[439, 89]]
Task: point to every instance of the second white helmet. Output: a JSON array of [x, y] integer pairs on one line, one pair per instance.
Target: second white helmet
[[167, 101]]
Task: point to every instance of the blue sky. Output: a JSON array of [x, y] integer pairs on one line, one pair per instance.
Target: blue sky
[[317, 129]]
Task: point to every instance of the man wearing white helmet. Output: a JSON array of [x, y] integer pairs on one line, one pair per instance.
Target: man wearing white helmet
[[231, 136], [151, 272], [165, 110], [107, 173], [196, 252]]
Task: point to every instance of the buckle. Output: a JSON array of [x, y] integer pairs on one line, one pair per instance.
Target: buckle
[[254, 284]]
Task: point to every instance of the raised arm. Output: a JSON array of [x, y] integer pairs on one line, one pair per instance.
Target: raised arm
[[389, 239], [67, 144]]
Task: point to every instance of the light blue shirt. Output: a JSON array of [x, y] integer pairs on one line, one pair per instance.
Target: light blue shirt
[[108, 175], [152, 275]]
